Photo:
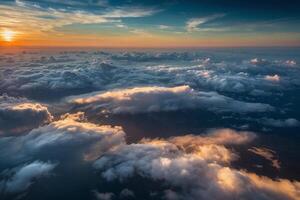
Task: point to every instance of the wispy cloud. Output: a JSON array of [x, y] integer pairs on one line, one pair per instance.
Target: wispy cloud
[[34, 19], [141, 32], [163, 27], [127, 12], [121, 26], [195, 23], [30, 17], [74, 3]]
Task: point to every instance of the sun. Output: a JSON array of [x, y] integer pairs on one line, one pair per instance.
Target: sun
[[8, 35]]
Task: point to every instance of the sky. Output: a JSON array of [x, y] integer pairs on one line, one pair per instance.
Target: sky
[[131, 23]]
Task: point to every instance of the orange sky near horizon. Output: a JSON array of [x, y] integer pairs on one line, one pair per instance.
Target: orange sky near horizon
[[141, 41]]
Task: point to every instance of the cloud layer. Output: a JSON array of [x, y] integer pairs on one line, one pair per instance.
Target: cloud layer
[[20, 178], [18, 115], [70, 132], [154, 99], [133, 92], [199, 168], [35, 75]]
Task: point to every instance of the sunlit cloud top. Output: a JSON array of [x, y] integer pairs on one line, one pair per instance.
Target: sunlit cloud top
[[111, 23]]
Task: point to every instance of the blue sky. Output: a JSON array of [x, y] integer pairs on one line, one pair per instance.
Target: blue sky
[[199, 23]]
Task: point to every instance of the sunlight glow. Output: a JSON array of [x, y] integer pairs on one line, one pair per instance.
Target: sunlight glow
[[8, 35]]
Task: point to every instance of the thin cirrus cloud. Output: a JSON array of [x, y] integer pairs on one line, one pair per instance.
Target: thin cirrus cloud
[[194, 24], [130, 12], [74, 3], [38, 18]]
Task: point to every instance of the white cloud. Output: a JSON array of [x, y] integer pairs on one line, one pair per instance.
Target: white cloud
[[76, 3], [38, 20], [197, 175], [291, 63], [274, 78], [24, 176], [195, 23], [154, 99], [71, 131], [121, 26], [258, 61], [163, 27], [36, 75], [18, 115], [142, 32], [130, 12], [20, 3], [28, 79]]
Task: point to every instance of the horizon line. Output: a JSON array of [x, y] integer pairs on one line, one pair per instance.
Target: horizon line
[[149, 47]]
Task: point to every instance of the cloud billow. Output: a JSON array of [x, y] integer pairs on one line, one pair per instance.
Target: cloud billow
[[87, 140], [158, 94], [199, 166], [23, 176], [37, 75], [19, 115], [155, 99]]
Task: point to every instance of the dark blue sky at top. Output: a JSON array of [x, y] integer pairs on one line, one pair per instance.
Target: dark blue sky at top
[[238, 9], [237, 16]]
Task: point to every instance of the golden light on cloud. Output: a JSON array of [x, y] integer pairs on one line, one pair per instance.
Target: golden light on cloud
[[8, 35]]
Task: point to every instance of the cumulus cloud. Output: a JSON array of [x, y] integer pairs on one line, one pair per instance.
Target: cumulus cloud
[[152, 84], [39, 78], [274, 78], [291, 63], [198, 175], [259, 61], [20, 178], [19, 115], [150, 57], [223, 76], [37, 75], [154, 99], [70, 131]]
